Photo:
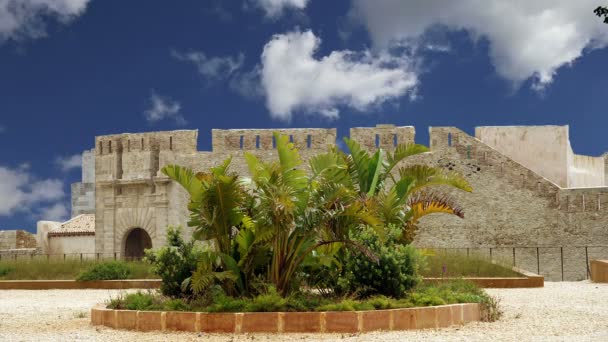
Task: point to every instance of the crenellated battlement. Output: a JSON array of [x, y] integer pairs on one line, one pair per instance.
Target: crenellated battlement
[[383, 136], [263, 139]]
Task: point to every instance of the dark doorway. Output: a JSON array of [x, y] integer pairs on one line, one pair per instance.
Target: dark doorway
[[137, 241]]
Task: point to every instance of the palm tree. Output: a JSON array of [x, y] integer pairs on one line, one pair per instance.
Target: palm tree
[[284, 212], [401, 194]]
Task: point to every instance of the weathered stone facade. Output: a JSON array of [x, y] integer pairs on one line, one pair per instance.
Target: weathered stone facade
[[512, 211]]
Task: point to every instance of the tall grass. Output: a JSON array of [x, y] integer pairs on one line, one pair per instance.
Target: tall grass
[[68, 269], [458, 264]]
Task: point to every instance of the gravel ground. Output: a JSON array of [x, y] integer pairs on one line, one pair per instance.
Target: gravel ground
[[566, 311]]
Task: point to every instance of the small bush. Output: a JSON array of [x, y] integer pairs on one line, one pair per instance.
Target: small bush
[[112, 270], [175, 263], [395, 273], [5, 269]]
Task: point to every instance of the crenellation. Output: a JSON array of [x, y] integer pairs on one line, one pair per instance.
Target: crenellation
[[382, 136]]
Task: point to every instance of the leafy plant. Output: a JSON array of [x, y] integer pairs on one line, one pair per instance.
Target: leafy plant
[[111, 270], [5, 269], [273, 226], [175, 263], [395, 272]]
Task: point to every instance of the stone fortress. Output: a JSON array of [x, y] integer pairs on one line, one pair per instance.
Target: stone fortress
[[535, 203]]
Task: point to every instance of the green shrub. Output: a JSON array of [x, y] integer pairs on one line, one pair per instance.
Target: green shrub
[[175, 263], [137, 301], [5, 269], [112, 270], [395, 273]]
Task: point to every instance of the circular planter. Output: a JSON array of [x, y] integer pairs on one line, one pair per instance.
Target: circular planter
[[289, 322]]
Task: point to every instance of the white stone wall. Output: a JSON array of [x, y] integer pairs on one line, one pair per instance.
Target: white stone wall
[[586, 171], [42, 231], [542, 149], [71, 245]]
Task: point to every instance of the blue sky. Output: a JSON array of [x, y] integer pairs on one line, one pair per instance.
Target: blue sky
[[74, 69]]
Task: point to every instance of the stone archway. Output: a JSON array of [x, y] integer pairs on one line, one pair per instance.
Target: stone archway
[[136, 241]]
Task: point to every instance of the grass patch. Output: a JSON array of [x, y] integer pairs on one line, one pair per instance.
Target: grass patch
[[68, 269], [457, 264], [451, 292]]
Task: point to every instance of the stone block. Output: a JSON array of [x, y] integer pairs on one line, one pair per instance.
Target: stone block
[[444, 316], [404, 319], [109, 318], [181, 321], [305, 322], [599, 271], [457, 318], [254, 322], [96, 316], [218, 322], [376, 320], [149, 320], [471, 312], [426, 318], [126, 319], [341, 322]]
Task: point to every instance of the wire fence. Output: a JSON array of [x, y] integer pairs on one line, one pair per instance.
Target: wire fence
[[17, 255], [553, 262]]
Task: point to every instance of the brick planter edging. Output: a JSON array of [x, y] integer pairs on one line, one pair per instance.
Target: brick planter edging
[[430, 317], [527, 280]]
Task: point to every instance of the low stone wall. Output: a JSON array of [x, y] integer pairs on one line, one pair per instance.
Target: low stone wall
[[289, 322], [527, 280], [599, 271], [77, 285]]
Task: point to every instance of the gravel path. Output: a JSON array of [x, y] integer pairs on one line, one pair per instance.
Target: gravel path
[[567, 311]]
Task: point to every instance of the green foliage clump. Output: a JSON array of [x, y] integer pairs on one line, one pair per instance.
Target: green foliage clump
[[5, 269], [112, 270], [393, 274], [175, 263]]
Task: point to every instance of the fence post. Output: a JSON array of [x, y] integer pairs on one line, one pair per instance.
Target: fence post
[[561, 251], [513, 256], [81, 258], [587, 262], [467, 252], [63, 256], [490, 254], [114, 255], [537, 261]]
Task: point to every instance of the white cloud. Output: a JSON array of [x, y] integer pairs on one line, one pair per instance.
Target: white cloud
[[527, 39], [55, 212], [275, 8], [161, 108], [21, 19], [294, 79], [216, 68], [70, 162], [20, 191]]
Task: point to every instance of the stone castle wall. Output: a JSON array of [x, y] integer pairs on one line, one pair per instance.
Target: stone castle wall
[[512, 209]]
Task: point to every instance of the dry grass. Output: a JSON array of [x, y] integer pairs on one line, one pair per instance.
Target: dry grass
[[458, 264], [41, 269]]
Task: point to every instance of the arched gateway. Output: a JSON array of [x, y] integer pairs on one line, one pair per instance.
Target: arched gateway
[[136, 242]]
